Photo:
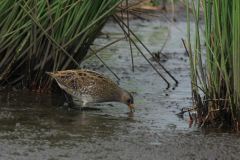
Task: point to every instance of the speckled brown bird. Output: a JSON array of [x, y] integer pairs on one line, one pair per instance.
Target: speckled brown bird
[[91, 87]]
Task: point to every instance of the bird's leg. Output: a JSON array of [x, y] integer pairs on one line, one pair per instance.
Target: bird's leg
[[69, 99], [84, 103]]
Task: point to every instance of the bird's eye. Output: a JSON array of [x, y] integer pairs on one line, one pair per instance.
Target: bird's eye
[[129, 101]]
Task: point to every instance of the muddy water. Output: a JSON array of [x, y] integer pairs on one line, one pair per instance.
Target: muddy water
[[37, 126]]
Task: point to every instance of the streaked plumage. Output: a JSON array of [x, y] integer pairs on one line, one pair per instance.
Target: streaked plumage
[[90, 86]]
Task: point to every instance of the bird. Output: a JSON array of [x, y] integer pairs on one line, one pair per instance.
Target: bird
[[91, 87]]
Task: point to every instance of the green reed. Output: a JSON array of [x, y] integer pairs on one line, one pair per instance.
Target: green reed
[[42, 35], [219, 76]]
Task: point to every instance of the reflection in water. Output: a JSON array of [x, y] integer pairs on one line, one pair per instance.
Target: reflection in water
[[44, 112]]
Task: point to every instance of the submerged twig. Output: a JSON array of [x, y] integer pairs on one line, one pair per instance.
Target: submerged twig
[[104, 64], [117, 18], [140, 50], [104, 48], [129, 36], [165, 15]]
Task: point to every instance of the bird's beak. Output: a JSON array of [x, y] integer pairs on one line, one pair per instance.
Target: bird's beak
[[131, 107]]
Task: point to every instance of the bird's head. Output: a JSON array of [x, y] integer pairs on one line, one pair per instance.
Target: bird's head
[[127, 99]]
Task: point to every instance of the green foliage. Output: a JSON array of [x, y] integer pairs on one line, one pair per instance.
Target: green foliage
[[220, 79], [42, 35]]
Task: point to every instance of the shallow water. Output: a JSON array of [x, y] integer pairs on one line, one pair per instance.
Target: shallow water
[[37, 126]]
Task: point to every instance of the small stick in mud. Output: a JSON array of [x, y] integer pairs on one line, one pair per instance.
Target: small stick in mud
[[183, 111], [204, 120]]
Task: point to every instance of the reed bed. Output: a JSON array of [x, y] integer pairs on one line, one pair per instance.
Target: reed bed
[[218, 78], [42, 35]]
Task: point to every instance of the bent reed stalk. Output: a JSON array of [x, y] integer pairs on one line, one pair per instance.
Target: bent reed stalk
[[42, 35], [219, 76]]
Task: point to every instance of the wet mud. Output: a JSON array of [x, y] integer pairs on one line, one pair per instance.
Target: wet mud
[[38, 126]]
